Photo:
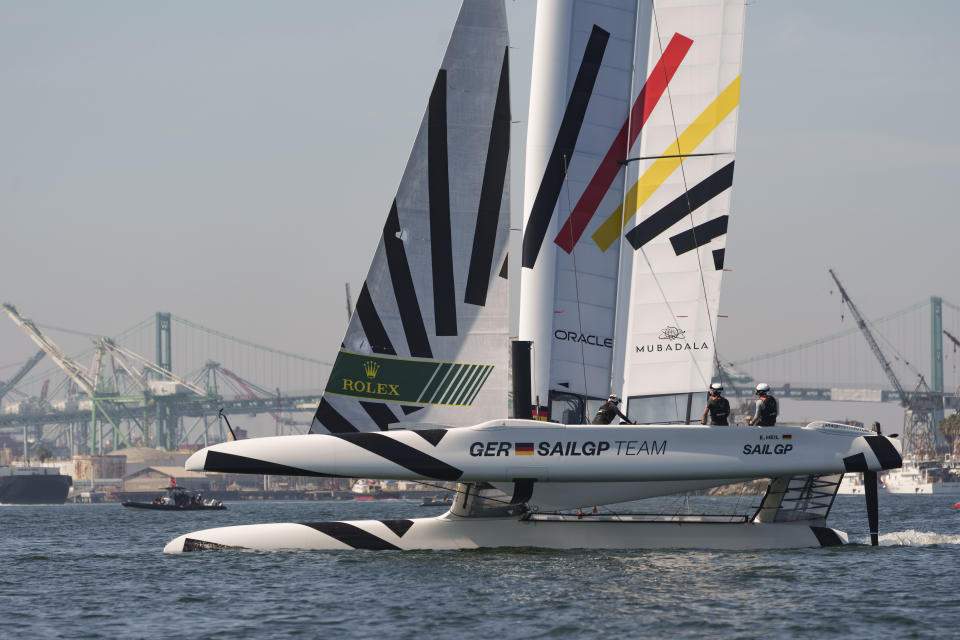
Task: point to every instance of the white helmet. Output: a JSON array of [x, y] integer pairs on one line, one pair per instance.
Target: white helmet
[[613, 399], [716, 386], [763, 387]]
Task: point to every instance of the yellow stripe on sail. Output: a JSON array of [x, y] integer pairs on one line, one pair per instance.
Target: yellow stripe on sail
[[660, 170]]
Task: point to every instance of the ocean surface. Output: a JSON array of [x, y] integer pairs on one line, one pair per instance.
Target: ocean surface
[[97, 571]]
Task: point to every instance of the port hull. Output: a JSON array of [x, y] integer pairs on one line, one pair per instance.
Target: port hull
[[448, 532]]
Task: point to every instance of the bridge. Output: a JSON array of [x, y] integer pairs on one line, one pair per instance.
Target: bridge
[[275, 388], [841, 366]]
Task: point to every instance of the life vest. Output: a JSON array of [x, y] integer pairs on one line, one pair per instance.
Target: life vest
[[605, 415], [719, 410], [768, 411]]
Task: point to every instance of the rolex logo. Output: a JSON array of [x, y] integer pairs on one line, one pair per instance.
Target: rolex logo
[[371, 368]]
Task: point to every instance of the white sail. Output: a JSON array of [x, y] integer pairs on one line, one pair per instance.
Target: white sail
[[428, 340], [639, 75], [676, 210]]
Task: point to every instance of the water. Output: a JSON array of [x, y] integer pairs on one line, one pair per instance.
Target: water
[[97, 571]]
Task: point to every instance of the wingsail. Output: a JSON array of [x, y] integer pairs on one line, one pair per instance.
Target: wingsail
[[628, 173], [428, 339]]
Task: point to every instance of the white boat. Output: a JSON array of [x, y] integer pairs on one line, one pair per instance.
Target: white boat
[[636, 122], [852, 485], [923, 477]]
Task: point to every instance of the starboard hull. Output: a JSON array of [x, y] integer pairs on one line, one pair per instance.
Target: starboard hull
[[448, 532]]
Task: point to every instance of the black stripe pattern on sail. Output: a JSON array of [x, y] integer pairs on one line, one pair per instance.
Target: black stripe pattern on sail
[[352, 536], [504, 269], [491, 194], [372, 326], [380, 413], [566, 141], [680, 207], [231, 463], [403, 288], [403, 455], [331, 419], [718, 255], [699, 235], [441, 243]]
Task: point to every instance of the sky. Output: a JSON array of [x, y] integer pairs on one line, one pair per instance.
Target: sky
[[232, 162]]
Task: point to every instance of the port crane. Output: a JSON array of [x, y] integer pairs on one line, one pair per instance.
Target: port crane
[[918, 433], [151, 381], [5, 387], [956, 345]]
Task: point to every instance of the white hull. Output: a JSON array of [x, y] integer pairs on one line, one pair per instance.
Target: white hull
[[851, 485], [928, 489], [448, 532], [922, 477]]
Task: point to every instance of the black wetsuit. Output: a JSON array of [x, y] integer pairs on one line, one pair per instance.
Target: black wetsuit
[[719, 409], [607, 412]]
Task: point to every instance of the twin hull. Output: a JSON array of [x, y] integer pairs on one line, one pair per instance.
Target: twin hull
[[448, 532], [556, 465]]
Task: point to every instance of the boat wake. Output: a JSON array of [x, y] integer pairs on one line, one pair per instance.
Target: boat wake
[[909, 538]]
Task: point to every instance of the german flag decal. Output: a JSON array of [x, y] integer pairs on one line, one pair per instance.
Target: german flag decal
[[523, 449]]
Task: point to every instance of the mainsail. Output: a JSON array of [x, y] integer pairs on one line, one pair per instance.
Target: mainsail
[[628, 174], [428, 340]]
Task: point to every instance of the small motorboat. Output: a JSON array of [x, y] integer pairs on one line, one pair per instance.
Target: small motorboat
[[956, 506], [436, 501], [178, 499]]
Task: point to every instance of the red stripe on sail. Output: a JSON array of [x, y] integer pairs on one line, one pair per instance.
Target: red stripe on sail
[[646, 100]]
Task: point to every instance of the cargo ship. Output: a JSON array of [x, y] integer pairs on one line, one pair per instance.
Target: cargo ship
[[33, 485]]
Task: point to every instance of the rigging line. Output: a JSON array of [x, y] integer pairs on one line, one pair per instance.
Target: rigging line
[[623, 206], [627, 161], [616, 515], [666, 302], [86, 334], [899, 356], [834, 336], [458, 492], [686, 194], [576, 286], [247, 343]]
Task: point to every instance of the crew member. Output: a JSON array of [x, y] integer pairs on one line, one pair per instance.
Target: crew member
[[765, 414], [717, 406], [608, 411]]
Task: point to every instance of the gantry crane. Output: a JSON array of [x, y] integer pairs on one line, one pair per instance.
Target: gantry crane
[[154, 382], [918, 428]]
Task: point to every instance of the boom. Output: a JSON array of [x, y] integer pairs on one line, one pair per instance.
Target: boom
[[5, 387], [862, 324], [953, 339], [76, 373]]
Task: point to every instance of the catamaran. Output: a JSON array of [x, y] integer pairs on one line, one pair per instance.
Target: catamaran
[[628, 178]]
